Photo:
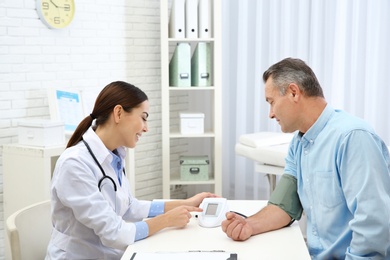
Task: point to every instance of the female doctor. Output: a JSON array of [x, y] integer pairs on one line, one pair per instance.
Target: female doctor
[[93, 212]]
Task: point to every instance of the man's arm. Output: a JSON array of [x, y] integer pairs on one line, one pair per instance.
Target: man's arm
[[283, 206], [365, 181], [285, 196], [269, 218]]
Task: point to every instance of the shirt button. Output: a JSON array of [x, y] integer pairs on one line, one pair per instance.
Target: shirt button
[[305, 151], [311, 141]]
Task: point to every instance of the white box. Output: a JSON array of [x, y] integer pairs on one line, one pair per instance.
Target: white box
[[191, 123], [41, 133]]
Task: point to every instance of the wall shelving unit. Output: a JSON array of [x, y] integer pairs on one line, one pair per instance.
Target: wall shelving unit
[[206, 100]]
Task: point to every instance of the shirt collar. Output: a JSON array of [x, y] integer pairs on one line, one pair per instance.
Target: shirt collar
[[318, 125], [96, 144]]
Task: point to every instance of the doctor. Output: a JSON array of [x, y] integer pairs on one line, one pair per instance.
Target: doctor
[[93, 212]]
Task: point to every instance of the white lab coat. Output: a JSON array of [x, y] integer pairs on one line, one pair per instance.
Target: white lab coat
[[88, 223]]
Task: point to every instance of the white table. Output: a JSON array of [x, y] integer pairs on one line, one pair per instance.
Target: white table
[[286, 243]]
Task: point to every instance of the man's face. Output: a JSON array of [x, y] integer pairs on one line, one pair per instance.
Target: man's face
[[282, 108]]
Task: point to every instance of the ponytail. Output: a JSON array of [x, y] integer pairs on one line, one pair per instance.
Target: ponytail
[[115, 93], [77, 136]]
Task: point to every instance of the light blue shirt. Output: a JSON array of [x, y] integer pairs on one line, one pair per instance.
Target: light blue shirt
[[342, 169], [156, 208], [117, 165]]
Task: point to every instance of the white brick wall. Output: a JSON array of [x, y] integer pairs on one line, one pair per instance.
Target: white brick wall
[[107, 41]]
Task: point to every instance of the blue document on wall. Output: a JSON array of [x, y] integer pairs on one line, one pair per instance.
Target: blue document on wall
[[66, 106], [204, 255]]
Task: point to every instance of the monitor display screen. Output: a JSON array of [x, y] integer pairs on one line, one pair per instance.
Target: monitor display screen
[[211, 209]]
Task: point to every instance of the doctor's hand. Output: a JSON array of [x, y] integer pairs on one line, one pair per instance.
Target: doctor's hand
[[180, 216], [176, 217], [193, 201], [198, 198], [236, 227]]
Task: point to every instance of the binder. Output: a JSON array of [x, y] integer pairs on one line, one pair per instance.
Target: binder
[[191, 18], [205, 23], [180, 66], [201, 65], [177, 20]]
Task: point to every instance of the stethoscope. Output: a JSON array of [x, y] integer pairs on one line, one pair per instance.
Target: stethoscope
[[101, 169]]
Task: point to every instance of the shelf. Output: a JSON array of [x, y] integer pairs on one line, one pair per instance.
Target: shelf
[[192, 88], [180, 182], [175, 180], [179, 135], [35, 151], [191, 40], [207, 100]]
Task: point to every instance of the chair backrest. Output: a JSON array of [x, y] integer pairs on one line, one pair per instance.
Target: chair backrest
[[29, 230]]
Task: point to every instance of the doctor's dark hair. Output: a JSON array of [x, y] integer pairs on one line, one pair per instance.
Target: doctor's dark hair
[[115, 93], [296, 71]]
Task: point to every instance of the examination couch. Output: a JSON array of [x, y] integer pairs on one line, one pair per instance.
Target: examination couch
[[268, 150]]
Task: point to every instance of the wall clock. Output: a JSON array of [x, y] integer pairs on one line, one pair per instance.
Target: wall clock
[[56, 14]]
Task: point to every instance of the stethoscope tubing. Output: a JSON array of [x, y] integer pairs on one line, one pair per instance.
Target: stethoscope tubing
[[100, 167]]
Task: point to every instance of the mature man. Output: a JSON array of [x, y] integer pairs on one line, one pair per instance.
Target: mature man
[[337, 171]]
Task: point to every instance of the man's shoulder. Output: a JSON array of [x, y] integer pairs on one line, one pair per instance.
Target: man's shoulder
[[347, 122]]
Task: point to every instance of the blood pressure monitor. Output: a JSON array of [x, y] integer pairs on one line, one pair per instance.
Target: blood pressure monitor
[[214, 212]]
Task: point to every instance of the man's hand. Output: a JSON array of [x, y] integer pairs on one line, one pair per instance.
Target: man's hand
[[236, 227]]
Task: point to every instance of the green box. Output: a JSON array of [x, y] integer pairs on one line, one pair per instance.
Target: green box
[[194, 168]]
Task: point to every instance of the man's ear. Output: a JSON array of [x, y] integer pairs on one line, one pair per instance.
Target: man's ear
[[294, 90]]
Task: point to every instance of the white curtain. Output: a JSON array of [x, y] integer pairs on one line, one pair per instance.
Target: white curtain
[[346, 43]]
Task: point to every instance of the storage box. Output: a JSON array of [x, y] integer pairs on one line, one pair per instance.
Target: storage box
[[41, 133], [194, 168], [191, 123]]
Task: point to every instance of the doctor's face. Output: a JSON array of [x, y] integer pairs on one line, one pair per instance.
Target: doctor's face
[[134, 124]]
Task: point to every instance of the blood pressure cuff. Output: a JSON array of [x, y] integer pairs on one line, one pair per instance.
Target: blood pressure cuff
[[285, 196]]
